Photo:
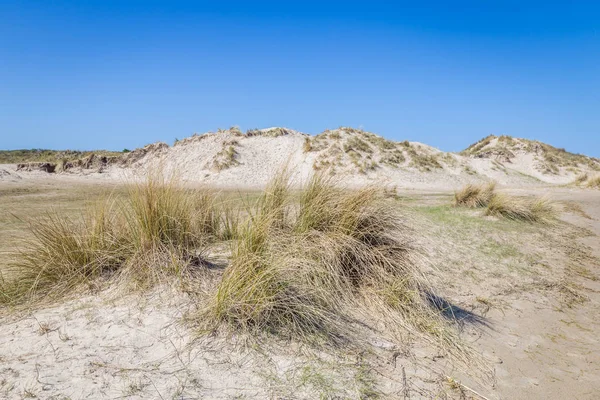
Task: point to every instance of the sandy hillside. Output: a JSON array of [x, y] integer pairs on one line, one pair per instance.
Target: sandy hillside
[[230, 158]]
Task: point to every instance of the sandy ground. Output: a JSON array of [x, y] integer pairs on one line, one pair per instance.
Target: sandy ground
[[116, 345]]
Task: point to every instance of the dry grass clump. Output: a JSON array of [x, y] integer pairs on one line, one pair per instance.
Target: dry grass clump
[[581, 178], [304, 268], [357, 144], [307, 145], [537, 209], [478, 146], [594, 182], [393, 158], [424, 162], [63, 253], [157, 229], [226, 157], [270, 132], [474, 196], [586, 180]]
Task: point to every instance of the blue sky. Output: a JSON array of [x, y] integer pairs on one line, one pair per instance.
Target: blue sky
[[116, 74]]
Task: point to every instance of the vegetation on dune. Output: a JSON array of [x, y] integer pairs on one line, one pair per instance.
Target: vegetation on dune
[[393, 158], [271, 132], [424, 162], [357, 144], [538, 209], [299, 268], [473, 196], [581, 179], [304, 264], [41, 155], [551, 158], [226, 157], [477, 146], [594, 182], [587, 180], [307, 145], [157, 229]]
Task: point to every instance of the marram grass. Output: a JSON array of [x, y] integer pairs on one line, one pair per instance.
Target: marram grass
[[304, 268]]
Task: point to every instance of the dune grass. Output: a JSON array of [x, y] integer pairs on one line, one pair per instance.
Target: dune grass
[[538, 209], [581, 178], [594, 182], [313, 263], [64, 253], [303, 268], [475, 196], [157, 228]]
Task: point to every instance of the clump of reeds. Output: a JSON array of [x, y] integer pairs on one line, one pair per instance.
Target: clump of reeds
[[475, 196]]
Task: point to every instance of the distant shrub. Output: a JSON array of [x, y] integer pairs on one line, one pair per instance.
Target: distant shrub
[[307, 146], [356, 144], [394, 158], [424, 162]]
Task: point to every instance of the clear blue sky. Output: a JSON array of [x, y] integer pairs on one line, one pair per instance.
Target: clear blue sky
[[115, 74]]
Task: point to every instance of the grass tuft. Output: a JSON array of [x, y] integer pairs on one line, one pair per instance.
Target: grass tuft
[[537, 209], [303, 268], [594, 182], [474, 196], [157, 229]]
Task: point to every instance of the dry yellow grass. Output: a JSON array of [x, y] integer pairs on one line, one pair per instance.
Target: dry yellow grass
[[303, 264], [538, 209], [594, 182], [156, 229], [581, 178], [474, 196], [303, 269]]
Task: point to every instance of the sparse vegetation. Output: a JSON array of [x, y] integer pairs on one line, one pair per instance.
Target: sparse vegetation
[[357, 144], [469, 170], [587, 180], [424, 162], [551, 159], [382, 143], [226, 158], [476, 147], [307, 145], [271, 132], [393, 158], [54, 156]]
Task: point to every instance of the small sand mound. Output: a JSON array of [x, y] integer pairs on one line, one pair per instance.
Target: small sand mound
[[6, 175]]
